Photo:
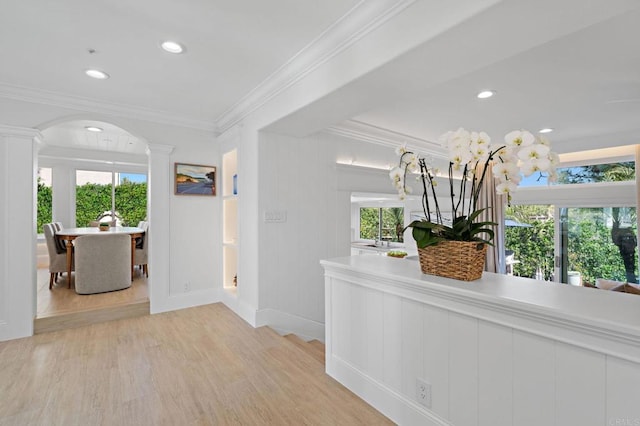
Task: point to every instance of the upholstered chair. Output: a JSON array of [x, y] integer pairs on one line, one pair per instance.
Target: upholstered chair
[[140, 255], [103, 262], [57, 254]]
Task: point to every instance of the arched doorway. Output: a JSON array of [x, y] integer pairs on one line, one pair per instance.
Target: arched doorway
[[88, 166]]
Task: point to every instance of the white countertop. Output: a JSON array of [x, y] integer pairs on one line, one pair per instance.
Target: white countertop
[[583, 307]]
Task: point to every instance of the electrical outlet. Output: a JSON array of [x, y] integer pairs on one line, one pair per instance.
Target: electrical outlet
[[423, 392], [187, 286]]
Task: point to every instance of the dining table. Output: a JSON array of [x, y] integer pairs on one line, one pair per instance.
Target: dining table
[[68, 235]]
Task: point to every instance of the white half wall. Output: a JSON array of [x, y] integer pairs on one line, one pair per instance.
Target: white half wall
[[497, 351]]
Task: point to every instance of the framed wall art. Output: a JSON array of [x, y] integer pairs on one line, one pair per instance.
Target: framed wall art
[[195, 179]]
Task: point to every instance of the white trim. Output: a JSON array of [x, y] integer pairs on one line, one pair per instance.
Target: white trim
[[285, 323], [186, 300], [46, 97], [602, 194], [364, 132], [399, 409], [362, 19], [239, 306], [21, 132]]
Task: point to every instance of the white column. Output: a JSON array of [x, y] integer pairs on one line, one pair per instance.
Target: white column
[[159, 190], [63, 204], [18, 177]]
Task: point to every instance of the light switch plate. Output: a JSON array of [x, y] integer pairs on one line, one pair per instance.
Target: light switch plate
[[275, 216]]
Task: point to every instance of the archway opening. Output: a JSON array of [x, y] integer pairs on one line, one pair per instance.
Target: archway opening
[[88, 171]]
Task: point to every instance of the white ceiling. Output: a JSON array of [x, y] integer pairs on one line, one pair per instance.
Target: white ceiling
[[232, 46], [571, 65], [585, 85]]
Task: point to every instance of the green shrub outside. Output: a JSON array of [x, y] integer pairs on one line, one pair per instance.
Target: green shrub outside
[[94, 199]]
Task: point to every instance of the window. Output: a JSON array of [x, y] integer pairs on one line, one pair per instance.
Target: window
[[45, 198], [610, 172], [382, 223], [107, 196], [623, 171], [598, 243], [529, 241]]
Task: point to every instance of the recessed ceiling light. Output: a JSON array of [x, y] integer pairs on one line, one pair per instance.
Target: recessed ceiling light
[[93, 129], [100, 75], [172, 46], [486, 94], [545, 130]]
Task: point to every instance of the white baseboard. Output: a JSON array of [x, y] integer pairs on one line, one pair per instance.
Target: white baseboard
[[239, 307], [396, 407], [285, 323], [185, 300]]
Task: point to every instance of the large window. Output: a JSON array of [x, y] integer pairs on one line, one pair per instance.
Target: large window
[[107, 196], [382, 223], [590, 233], [593, 243]]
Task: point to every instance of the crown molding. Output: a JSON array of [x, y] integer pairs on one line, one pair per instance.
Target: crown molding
[[364, 132], [156, 148], [46, 97], [362, 19], [23, 132]]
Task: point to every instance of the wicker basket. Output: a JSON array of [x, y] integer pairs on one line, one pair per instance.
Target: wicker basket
[[460, 260]]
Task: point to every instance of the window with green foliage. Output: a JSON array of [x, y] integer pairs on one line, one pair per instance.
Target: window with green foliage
[[610, 172], [107, 196], [382, 223], [45, 198], [529, 240], [594, 242], [599, 243]]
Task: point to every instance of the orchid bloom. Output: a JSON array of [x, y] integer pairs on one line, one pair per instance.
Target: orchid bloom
[[519, 138]]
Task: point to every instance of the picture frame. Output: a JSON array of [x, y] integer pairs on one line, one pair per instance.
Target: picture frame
[[194, 179]]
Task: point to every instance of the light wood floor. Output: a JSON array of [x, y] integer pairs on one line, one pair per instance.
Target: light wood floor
[[197, 366], [61, 299]]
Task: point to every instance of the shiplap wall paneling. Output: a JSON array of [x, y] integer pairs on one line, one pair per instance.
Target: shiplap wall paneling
[[412, 355], [580, 386], [341, 323], [374, 363], [358, 319], [495, 375], [392, 337], [623, 388], [435, 352], [533, 380], [463, 370]]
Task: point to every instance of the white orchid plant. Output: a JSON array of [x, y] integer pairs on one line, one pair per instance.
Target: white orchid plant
[[470, 154]]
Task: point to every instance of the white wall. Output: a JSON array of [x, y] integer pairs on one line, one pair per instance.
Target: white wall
[[300, 177]]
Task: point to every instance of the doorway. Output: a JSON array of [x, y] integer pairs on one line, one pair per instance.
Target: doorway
[[88, 168]]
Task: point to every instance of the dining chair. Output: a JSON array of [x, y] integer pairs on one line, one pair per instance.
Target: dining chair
[[141, 253], [103, 263], [57, 254]]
